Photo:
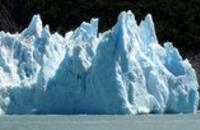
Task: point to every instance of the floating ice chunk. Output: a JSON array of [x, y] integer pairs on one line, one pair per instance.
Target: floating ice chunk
[[121, 71]]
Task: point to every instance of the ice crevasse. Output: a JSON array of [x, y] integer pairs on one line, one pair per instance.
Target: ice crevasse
[[121, 71]]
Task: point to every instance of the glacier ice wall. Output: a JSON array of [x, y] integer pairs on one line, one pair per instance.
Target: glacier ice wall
[[121, 71]]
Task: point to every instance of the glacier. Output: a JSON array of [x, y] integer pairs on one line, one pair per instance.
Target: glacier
[[121, 71]]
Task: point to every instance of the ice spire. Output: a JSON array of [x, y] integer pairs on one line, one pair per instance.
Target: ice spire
[[34, 28], [147, 30]]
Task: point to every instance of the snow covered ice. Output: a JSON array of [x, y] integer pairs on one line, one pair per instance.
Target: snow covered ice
[[121, 71]]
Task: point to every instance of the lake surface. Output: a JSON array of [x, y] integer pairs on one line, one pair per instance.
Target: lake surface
[[100, 122]]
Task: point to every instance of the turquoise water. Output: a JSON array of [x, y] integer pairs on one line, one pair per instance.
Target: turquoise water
[[100, 122]]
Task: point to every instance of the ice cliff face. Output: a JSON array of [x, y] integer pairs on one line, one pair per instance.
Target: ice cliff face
[[123, 70]]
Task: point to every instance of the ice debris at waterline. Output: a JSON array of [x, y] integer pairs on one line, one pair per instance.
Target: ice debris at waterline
[[121, 71]]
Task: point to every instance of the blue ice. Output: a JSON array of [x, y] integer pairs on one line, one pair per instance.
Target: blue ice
[[121, 71]]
